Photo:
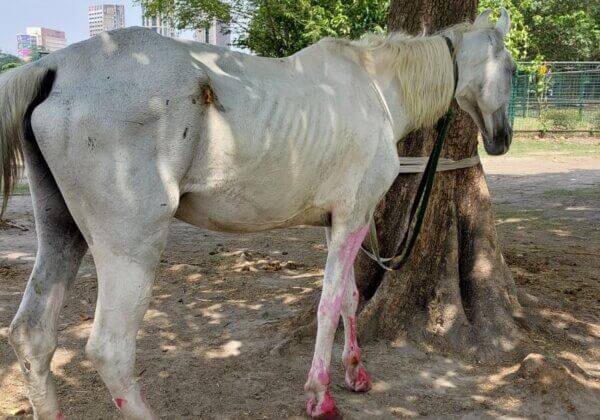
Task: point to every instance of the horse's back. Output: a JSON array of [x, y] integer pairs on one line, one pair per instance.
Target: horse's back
[[130, 118], [123, 67]]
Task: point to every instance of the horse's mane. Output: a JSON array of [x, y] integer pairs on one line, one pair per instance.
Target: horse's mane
[[423, 67]]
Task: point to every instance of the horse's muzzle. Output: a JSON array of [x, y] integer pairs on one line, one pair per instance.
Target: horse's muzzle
[[500, 143]]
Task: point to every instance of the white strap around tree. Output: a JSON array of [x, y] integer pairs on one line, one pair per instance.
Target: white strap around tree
[[415, 165], [412, 165]]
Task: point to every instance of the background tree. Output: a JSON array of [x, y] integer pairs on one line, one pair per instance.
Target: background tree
[[455, 293], [282, 27], [562, 30], [276, 28], [9, 66], [551, 30], [517, 41], [192, 14], [9, 61], [542, 29]]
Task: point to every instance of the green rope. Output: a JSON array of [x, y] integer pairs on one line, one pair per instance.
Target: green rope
[[419, 207]]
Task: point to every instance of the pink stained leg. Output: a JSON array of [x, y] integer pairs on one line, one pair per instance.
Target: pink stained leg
[[317, 405], [338, 274], [357, 378]]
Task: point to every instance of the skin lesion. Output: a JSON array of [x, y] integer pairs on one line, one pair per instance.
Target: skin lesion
[[207, 94], [120, 402], [208, 97]]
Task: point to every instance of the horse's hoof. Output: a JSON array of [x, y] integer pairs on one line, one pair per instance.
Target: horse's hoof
[[357, 379], [326, 410]]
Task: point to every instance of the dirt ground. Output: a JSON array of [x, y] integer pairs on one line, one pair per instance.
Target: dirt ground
[[221, 301]]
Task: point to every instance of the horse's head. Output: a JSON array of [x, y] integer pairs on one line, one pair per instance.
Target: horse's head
[[484, 81]]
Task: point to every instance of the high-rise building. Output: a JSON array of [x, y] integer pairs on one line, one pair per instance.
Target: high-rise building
[[48, 40], [215, 35], [39, 39], [26, 46], [105, 17], [160, 24]]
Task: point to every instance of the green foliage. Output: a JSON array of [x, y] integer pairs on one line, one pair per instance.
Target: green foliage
[[517, 41], [282, 27], [551, 30], [190, 13], [595, 121], [8, 61], [21, 189], [277, 28], [9, 66], [35, 54], [559, 119], [562, 30]]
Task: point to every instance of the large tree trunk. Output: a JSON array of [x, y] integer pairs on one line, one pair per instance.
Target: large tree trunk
[[455, 293]]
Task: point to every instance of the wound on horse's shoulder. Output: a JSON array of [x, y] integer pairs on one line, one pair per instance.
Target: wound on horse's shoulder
[[208, 97]]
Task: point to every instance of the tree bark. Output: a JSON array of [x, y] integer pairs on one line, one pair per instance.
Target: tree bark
[[455, 293]]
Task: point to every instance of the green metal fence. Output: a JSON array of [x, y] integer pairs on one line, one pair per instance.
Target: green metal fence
[[556, 97]]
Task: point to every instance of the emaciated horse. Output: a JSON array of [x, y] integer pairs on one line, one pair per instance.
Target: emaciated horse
[[123, 132]]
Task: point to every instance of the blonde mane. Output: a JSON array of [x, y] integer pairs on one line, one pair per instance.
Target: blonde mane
[[423, 67]]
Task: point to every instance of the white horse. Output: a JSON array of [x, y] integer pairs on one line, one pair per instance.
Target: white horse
[[122, 132]]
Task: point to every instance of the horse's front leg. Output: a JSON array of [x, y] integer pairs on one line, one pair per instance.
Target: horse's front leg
[[344, 244], [357, 378]]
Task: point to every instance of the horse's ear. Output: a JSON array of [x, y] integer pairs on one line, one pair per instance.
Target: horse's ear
[[503, 24], [483, 20]]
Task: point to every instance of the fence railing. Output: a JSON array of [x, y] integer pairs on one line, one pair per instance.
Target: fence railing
[[556, 97]]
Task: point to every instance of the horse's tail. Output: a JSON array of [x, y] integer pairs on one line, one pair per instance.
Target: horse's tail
[[21, 90]]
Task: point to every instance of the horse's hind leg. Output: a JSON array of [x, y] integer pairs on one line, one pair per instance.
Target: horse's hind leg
[[60, 250], [126, 252], [124, 291]]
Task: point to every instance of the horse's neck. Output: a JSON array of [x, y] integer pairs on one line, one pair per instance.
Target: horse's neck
[[424, 94], [388, 91]]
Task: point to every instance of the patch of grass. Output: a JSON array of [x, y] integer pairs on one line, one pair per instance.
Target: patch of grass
[[509, 212], [527, 123], [535, 146], [591, 193], [21, 189], [531, 220], [556, 119], [557, 193]]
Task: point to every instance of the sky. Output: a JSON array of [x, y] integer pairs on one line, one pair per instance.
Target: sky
[[69, 16]]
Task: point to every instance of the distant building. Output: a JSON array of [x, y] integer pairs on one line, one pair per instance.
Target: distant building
[[105, 17], [26, 46], [48, 40], [160, 24], [214, 35], [38, 39]]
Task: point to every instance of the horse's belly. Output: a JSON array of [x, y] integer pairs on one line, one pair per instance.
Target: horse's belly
[[230, 215]]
